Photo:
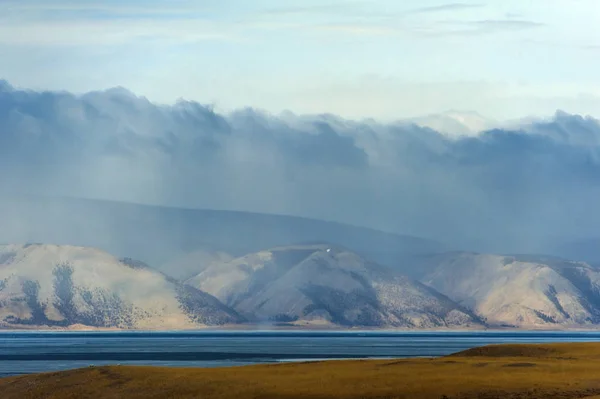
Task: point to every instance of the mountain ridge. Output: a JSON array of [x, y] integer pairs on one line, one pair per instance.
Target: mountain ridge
[[125, 229], [60, 286], [519, 291], [45, 286], [309, 284]]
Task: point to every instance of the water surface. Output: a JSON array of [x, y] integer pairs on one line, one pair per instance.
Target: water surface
[[33, 352]]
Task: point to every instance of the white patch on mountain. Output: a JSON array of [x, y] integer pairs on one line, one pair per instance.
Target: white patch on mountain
[[60, 286], [322, 284], [456, 123], [519, 291]]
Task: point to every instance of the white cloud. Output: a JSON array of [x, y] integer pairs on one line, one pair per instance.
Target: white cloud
[[356, 59], [114, 32], [449, 7]]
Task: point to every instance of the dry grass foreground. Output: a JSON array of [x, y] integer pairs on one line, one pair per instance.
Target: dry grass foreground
[[503, 371]]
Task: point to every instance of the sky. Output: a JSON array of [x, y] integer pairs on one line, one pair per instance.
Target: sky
[[519, 189], [331, 110], [382, 59]]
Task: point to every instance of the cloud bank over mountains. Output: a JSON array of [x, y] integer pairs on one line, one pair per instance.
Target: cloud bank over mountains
[[514, 189]]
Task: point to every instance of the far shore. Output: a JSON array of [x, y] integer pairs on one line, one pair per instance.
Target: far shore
[[291, 328], [566, 371]]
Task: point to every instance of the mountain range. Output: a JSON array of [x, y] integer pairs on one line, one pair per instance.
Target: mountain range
[[66, 286], [77, 287], [162, 235], [518, 291], [300, 286], [320, 284], [200, 268]]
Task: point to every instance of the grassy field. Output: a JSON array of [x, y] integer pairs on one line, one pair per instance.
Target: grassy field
[[503, 371]]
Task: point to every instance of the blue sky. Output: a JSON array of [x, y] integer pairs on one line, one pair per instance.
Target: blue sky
[[381, 58]]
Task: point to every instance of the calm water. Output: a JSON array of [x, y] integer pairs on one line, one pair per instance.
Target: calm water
[[32, 352]]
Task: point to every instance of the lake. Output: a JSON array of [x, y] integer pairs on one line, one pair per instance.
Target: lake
[[33, 352]]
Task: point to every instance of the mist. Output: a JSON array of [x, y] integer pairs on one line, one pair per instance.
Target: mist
[[505, 190]]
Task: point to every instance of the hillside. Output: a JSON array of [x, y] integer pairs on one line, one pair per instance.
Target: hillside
[[190, 264], [317, 285], [521, 291], [162, 236], [566, 371], [321, 284], [66, 286]]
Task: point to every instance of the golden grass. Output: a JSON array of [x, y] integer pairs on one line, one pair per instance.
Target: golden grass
[[503, 371]]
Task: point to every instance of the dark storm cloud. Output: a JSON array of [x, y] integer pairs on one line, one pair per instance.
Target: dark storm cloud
[[503, 190]]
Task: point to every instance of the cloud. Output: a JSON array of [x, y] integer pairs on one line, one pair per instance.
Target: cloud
[[506, 24], [357, 29], [447, 7], [66, 8], [108, 23], [427, 29], [112, 32], [504, 190], [476, 28], [332, 8], [94, 24]]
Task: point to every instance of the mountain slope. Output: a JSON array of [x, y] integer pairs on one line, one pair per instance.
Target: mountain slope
[[160, 235], [314, 284], [456, 123], [192, 263], [519, 291], [48, 285]]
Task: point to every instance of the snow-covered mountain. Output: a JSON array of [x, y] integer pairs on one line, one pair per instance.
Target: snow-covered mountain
[[189, 264], [456, 123], [321, 284], [66, 286], [521, 291], [304, 285]]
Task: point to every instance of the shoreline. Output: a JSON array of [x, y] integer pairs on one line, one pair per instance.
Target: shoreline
[[282, 328], [534, 371]]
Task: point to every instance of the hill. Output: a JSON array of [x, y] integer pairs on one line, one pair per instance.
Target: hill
[[161, 236], [322, 284], [66, 286], [191, 263], [566, 371], [521, 291]]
